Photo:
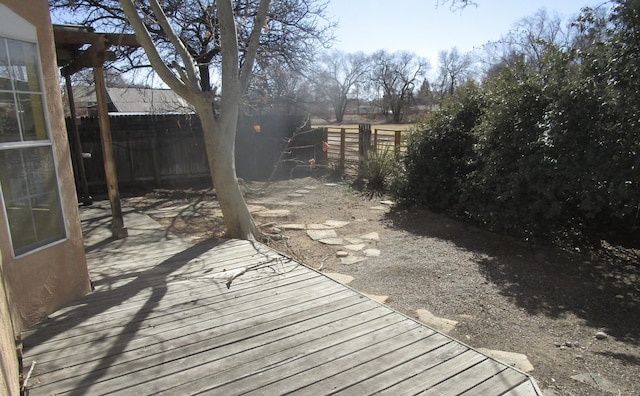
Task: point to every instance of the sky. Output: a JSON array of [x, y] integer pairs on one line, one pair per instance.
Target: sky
[[422, 27]]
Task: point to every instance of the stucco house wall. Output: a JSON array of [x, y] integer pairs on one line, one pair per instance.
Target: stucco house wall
[[9, 374], [40, 281]]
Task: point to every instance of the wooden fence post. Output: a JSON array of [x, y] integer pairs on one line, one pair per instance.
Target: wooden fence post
[[375, 140], [364, 143], [397, 141], [325, 143], [343, 142]]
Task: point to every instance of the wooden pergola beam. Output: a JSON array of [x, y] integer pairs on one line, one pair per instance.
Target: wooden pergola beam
[[71, 40], [64, 36]]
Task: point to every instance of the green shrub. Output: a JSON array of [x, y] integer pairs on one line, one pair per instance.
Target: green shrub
[[440, 153], [550, 153]]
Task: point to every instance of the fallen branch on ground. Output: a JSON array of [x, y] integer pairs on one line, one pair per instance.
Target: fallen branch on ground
[[230, 275]]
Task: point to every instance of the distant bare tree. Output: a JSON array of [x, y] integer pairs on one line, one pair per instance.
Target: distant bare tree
[[396, 75], [454, 68], [337, 74], [529, 39]]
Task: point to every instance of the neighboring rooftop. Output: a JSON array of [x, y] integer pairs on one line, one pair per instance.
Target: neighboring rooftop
[[132, 101]]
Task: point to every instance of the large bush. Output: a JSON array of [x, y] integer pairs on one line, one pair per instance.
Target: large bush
[[440, 151], [551, 152]]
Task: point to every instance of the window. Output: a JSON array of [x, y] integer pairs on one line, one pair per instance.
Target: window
[[27, 171]]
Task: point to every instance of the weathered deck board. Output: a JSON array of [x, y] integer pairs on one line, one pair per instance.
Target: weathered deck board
[[159, 323]]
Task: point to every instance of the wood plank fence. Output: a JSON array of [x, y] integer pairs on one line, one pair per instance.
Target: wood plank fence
[[168, 150], [348, 146]]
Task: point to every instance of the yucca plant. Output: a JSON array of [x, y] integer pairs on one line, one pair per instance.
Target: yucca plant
[[377, 169]]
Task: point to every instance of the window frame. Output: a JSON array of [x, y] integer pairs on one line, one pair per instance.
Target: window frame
[[13, 27]]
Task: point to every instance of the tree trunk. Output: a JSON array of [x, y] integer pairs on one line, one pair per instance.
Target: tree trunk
[[219, 139]]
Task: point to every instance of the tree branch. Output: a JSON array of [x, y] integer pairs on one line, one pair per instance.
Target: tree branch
[[187, 60], [144, 38], [254, 41]]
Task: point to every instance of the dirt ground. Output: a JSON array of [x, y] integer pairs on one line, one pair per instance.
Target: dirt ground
[[505, 295]]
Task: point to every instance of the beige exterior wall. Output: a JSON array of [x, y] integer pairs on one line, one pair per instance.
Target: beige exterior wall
[[9, 383], [38, 283]]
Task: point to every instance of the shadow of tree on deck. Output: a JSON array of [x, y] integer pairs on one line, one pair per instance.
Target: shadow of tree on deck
[[154, 278]]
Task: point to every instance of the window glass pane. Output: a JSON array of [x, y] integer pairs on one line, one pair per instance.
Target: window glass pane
[[30, 109], [30, 193], [5, 75], [9, 131], [24, 64]]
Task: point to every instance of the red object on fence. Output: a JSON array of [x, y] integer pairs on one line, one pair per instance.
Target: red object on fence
[[325, 147]]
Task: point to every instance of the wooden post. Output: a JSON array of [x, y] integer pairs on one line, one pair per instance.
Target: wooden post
[[375, 140], [364, 143], [325, 144], [343, 143], [118, 230], [81, 176], [397, 142]]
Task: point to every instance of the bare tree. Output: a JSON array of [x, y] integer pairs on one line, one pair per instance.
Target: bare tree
[[188, 42], [278, 88], [396, 75], [219, 131], [454, 68], [528, 40], [337, 74], [456, 4], [294, 30]]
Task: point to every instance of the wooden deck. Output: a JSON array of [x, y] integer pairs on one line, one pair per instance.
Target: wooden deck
[[158, 322]]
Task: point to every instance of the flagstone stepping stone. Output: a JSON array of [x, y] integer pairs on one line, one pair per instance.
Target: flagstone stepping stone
[[293, 226], [342, 278], [352, 260], [378, 208], [330, 184], [516, 360], [356, 248], [256, 208], [336, 223], [440, 324], [331, 241], [597, 381], [372, 252], [342, 253], [321, 234], [302, 192], [354, 241], [273, 213], [387, 202], [310, 187], [380, 299], [263, 201], [319, 227], [295, 195], [372, 236], [288, 203]]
